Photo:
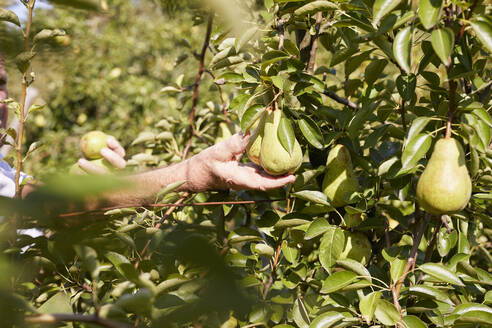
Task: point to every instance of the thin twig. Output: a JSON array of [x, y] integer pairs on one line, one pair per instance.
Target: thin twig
[[452, 104], [20, 136], [468, 15], [271, 279], [403, 119], [104, 209], [341, 100], [66, 317], [417, 238], [198, 79], [445, 222], [314, 46], [169, 211]]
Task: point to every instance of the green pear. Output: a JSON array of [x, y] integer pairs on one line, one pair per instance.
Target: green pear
[[274, 159], [254, 145], [224, 132], [92, 143], [357, 247], [445, 185], [339, 182]]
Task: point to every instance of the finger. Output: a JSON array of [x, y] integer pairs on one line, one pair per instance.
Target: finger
[[253, 177], [91, 168], [115, 146], [113, 158], [231, 148]]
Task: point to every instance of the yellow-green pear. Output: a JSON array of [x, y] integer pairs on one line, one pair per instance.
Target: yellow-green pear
[[92, 143], [254, 145], [274, 159], [339, 182], [224, 132], [357, 247], [445, 185]]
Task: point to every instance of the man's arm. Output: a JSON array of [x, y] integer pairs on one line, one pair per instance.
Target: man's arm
[[215, 168]]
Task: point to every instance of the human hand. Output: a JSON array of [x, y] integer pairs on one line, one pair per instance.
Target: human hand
[[218, 167], [114, 153]]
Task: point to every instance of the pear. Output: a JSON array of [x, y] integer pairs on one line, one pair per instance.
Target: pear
[[445, 185], [254, 145], [357, 247], [274, 159], [92, 143], [339, 182], [224, 132]]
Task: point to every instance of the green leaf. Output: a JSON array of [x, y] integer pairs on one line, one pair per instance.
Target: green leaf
[[396, 269], [473, 313], [417, 126], [314, 7], [441, 273], [317, 228], [331, 247], [327, 319], [250, 116], [58, 303], [411, 321], [373, 70], [273, 57], [313, 196], [291, 254], [301, 318], [429, 12], [483, 29], [381, 8], [442, 40], [169, 188], [123, 265], [406, 85], [245, 38], [229, 77], [430, 292], [482, 114], [356, 267], [415, 150], [46, 34], [337, 281], [446, 241], [285, 134], [89, 258], [367, 305], [9, 16], [386, 313], [402, 46], [311, 131]]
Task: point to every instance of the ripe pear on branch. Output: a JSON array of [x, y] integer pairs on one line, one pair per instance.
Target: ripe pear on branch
[[274, 158], [339, 182], [445, 185]]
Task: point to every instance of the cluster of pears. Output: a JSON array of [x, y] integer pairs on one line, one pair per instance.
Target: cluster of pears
[[265, 149], [445, 185], [91, 144]]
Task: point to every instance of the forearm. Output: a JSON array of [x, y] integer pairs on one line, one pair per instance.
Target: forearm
[[145, 186]]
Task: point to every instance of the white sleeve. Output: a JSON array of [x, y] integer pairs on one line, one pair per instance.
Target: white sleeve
[[7, 179]]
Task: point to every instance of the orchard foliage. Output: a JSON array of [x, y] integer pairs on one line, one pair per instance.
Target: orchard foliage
[[384, 78]]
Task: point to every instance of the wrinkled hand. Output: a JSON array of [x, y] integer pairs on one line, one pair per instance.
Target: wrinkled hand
[[114, 153], [218, 167]]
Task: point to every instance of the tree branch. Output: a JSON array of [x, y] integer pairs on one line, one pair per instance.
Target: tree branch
[[65, 317], [198, 79], [341, 100], [314, 46], [20, 135]]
